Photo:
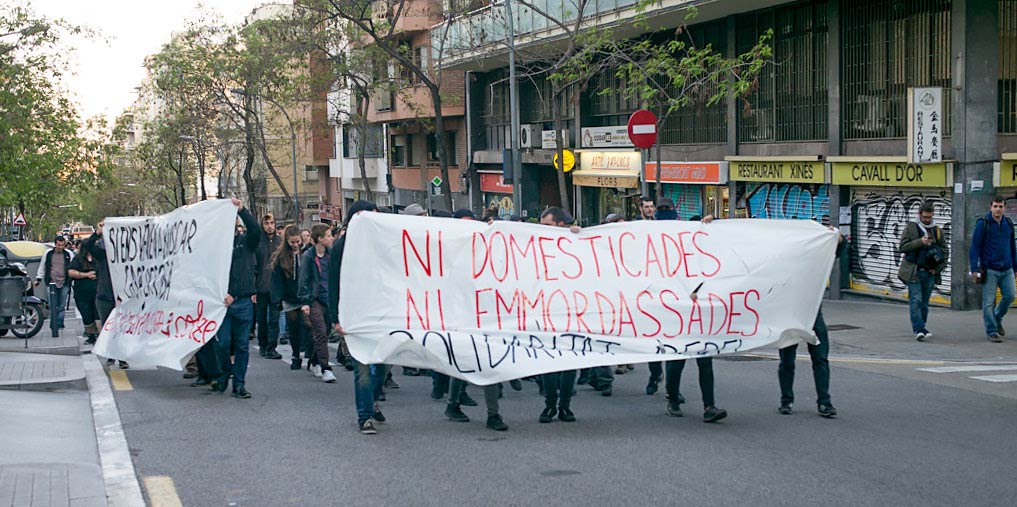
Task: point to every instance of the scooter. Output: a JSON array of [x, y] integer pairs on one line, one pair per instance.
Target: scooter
[[21, 312]]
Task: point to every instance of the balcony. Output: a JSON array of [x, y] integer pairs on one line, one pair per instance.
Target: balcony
[[414, 102], [477, 40]]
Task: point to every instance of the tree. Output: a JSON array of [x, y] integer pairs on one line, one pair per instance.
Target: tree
[[45, 150]]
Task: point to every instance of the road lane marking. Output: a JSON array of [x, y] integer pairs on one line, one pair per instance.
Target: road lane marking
[[975, 367], [120, 381], [161, 491], [997, 378]]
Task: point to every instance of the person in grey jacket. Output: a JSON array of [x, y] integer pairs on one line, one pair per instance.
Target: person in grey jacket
[[266, 316], [925, 254]]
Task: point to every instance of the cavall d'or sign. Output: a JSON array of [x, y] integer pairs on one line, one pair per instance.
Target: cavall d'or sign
[[889, 172]]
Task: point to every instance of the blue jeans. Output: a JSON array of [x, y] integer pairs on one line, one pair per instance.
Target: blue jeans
[[233, 336], [919, 293], [992, 314], [367, 380], [57, 305]]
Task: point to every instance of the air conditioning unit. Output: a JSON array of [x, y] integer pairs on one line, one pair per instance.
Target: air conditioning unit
[[529, 136]]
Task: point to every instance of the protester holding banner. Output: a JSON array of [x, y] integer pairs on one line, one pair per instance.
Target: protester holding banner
[[367, 379], [265, 315], [233, 333], [313, 296], [558, 386], [285, 263], [105, 299], [820, 364]]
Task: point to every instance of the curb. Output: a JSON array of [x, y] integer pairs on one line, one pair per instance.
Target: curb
[[122, 487], [51, 384]]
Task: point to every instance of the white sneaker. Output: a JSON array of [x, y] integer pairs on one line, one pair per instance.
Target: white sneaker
[[920, 336], [327, 376], [316, 370]]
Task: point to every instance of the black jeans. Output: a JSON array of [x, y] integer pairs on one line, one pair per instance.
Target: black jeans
[[266, 318], [558, 388], [656, 371], [85, 301], [299, 334], [491, 393], [674, 380], [439, 383], [820, 366], [601, 377]]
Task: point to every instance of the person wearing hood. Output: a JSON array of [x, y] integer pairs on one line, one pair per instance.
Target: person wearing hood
[[925, 254], [232, 337], [367, 378], [993, 262], [266, 316]]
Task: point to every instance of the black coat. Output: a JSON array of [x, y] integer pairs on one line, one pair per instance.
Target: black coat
[[244, 270]]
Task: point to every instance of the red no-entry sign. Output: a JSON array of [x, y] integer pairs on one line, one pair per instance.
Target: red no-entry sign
[[643, 128]]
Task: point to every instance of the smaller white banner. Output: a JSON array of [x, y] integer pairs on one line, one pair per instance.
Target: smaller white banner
[[606, 137], [171, 274]]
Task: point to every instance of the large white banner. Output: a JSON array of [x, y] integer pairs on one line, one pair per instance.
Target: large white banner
[[488, 303], [171, 274]]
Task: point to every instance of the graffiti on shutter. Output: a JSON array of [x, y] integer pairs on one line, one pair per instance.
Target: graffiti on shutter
[[879, 217], [788, 201], [688, 200]]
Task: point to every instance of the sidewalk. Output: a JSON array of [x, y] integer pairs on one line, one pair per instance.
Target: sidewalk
[[871, 329], [51, 453]]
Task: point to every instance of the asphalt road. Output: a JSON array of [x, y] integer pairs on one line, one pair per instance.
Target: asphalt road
[[899, 440]]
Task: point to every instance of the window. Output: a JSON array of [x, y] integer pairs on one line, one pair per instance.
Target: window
[[373, 145], [789, 102], [310, 173], [432, 148], [888, 46], [698, 123], [400, 151], [1008, 66]]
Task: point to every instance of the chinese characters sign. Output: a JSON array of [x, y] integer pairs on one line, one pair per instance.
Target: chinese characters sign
[[925, 128]]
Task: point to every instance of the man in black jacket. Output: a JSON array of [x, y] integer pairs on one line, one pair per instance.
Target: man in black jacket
[[265, 314], [233, 333], [105, 299]]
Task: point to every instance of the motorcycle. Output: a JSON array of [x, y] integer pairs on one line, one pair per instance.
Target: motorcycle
[[21, 312]]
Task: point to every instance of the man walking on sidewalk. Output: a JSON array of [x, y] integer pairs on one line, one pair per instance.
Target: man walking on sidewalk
[[55, 272], [993, 260], [925, 256]]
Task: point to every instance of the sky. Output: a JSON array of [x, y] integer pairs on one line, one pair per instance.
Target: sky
[[105, 70]]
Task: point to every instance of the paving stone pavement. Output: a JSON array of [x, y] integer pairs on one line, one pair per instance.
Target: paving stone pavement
[[36, 371], [51, 484]]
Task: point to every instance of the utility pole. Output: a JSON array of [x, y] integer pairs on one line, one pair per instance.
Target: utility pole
[[517, 162]]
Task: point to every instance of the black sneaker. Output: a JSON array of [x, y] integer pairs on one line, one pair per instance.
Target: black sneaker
[[547, 415], [516, 384], [565, 415], [124, 365], [466, 401], [295, 364], [999, 329], [378, 416], [994, 338], [652, 386], [495, 423], [368, 428], [714, 414], [454, 413], [56, 333], [583, 379], [929, 334], [284, 340], [218, 386], [784, 409], [675, 409], [826, 410], [200, 383], [189, 374], [241, 392], [273, 355], [606, 390], [437, 395], [111, 362]]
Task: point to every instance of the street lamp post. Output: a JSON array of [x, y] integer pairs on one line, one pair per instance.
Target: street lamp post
[[293, 149]]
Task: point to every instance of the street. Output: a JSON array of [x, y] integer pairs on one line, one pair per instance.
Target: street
[[904, 436]]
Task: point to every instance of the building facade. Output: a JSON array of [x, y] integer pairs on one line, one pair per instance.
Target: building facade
[[822, 134]]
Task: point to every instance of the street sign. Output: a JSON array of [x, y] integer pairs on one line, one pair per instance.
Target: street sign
[[19, 221], [643, 128], [570, 161], [436, 181]]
